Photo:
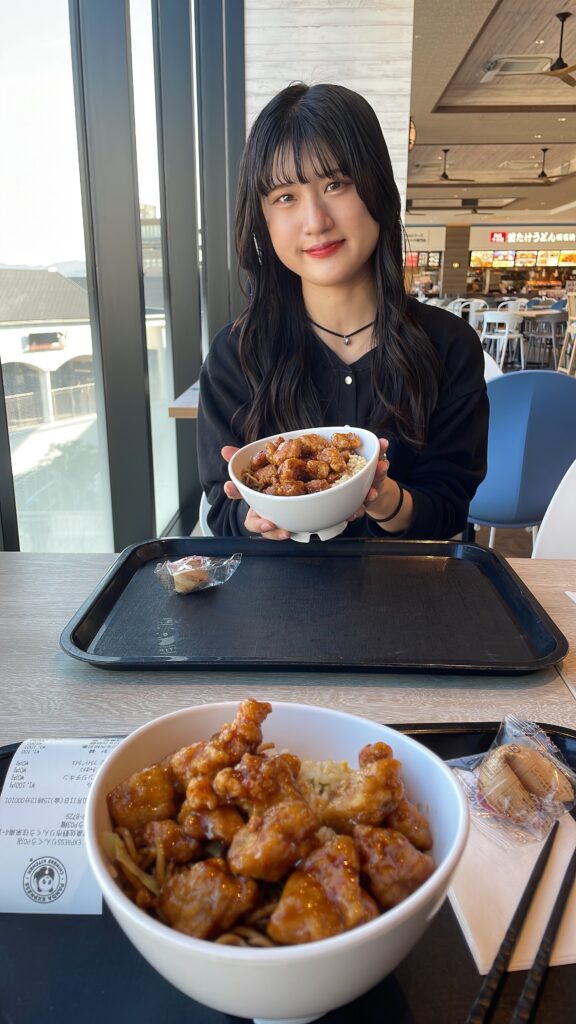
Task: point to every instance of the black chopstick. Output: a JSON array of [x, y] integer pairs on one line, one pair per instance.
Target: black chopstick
[[528, 996], [485, 998]]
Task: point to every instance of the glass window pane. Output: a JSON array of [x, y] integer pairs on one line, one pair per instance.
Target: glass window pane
[[158, 343], [53, 400]]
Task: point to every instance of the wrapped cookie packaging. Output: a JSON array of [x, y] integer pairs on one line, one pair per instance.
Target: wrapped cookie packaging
[[520, 786], [196, 572]]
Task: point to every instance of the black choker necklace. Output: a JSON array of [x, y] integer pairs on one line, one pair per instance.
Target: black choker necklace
[[345, 337]]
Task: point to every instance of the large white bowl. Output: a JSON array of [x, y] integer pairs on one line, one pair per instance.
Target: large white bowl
[[326, 512], [292, 982]]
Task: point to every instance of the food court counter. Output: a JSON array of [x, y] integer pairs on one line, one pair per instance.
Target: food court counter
[[46, 693]]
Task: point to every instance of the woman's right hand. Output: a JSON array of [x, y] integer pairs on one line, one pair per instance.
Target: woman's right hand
[[254, 522]]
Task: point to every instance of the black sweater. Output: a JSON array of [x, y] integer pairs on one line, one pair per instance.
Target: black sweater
[[442, 478]]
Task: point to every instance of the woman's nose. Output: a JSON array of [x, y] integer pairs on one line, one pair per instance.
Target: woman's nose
[[316, 216]]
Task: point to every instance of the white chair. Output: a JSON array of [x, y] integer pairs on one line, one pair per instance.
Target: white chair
[[491, 368], [501, 328], [474, 307], [455, 306], [513, 304], [556, 537], [203, 516]]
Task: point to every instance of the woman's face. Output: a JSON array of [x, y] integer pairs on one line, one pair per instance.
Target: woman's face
[[321, 230]]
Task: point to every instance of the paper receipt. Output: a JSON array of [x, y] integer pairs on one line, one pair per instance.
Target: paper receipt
[[44, 865]]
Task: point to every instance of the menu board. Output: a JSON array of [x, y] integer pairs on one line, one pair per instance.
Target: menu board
[[434, 260], [547, 258], [422, 259], [567, 258], [525, 259], [481, 258], [503, 258], [411, 259]]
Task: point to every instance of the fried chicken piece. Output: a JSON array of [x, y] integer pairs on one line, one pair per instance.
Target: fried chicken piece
[[148, 795], [257, 781], [317, 469], [205, 900], [304, 912], [266, 475], [282, 824], [292, 469], [394, 868], [351, 797], [290, 449], [178, 846], [271, 843], [313, 486], [195, 766], [345, 441], [323, 896], [408, 820], [221, 824], [311, 444], [287, 489], [334, 459]]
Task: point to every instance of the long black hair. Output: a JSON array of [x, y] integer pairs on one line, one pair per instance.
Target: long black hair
[[335, 129]]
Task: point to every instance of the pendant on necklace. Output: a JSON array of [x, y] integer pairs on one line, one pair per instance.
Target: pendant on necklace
[[346, 339]]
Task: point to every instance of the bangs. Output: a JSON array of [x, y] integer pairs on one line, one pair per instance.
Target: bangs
[[293, 146]]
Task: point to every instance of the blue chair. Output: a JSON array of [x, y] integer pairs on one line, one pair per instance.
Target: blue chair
[[531, 444]]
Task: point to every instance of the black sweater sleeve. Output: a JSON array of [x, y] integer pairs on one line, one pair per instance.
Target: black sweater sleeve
[[223, 393], [444, 476]]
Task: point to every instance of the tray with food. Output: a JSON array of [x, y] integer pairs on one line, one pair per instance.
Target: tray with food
[[86, 969], [340, 605]]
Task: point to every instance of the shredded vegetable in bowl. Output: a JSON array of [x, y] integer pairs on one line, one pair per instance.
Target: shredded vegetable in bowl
[[231, 841]]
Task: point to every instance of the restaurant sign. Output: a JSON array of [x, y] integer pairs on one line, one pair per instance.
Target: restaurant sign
[[561, 236]]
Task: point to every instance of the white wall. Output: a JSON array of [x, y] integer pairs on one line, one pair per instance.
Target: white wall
[[365, 45]]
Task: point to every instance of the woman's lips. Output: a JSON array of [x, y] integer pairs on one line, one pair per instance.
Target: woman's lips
[[320, 252]]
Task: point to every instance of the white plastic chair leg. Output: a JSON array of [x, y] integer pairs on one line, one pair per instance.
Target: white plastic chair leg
[[492, 537]]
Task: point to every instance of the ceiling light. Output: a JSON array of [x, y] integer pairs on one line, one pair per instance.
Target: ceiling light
[[561, 118], [537, 136]]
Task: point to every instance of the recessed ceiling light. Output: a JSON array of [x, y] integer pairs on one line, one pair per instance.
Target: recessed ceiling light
[[538, 42], [561, 119], [537, 136]]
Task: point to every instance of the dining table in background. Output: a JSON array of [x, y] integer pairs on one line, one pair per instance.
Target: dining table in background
[[46, 693]]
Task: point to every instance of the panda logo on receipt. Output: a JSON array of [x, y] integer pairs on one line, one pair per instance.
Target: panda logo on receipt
[[44, 880]]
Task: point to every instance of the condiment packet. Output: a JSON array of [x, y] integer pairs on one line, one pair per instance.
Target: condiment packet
[[45, 869], [488, 884], [196, 572]]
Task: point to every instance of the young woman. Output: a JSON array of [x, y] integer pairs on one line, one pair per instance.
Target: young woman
[[329, 336]]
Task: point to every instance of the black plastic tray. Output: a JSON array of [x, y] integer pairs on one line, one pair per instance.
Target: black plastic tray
[[83, 969], [342, 605]]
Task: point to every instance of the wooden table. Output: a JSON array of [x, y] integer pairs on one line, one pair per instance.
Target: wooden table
[[185, 406], [44, 692]]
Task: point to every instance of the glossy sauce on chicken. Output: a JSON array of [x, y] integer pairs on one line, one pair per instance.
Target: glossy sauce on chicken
[[304, 465], [229, 840]]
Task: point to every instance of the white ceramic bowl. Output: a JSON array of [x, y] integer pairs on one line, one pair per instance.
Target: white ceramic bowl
[[326, 512], [291, 983]]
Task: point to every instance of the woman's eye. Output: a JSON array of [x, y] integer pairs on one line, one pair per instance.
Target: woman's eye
[[334, 186], [285, 198]]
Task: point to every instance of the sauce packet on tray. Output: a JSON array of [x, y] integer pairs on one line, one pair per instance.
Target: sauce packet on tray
[[520, 786], [196, 572]]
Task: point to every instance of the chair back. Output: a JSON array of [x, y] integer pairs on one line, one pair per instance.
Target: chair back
[[557, 534], [500, 320], [455, 306], [513, 304], [203, 516], [531, 444], [491, 368], [559, 304]]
